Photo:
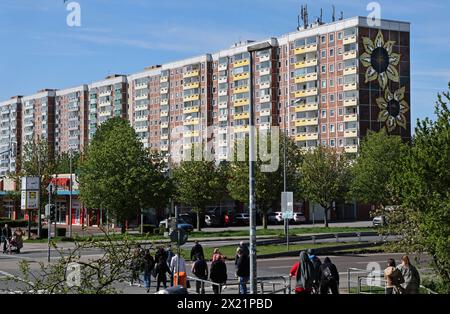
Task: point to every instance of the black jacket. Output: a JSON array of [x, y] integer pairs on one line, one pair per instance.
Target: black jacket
[[200, 269], [243, 266], [329, 273], [218, 272], [197, 250], [6, 233]]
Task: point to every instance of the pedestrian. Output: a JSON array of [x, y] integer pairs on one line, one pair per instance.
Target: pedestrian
[[315, 260], [6, 237], [161, 269], [329, 280], [218, 273], [149, 265], [242, 245], [394, 278], [137, 265], [17, 240], [200, 270], [243, 270], [197, 250], [178, 267], [410, 275], [303, 271], [217, 255], [168, 253]]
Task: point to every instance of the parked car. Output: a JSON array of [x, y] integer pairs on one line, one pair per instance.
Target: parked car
[[242, 219], [379, 221], [212, 220], [181, 224], [299, 218], [275, 218]]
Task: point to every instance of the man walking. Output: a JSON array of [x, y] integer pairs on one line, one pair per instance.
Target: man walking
[[329, 280], [243, 271], [197, 251], [6, 236], [200, 270]]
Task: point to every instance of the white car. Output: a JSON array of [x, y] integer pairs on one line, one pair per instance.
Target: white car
[[275, 218], [299, 217], [379, 221]]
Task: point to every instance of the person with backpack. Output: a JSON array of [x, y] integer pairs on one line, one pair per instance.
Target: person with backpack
[[410, 275], [218, 273], [243, 270], [303, 271], [149, 265], [394, 278], [315, 260], [200, 270], [329, 277]]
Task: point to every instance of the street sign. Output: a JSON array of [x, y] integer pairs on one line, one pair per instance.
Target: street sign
[[179, 236], [30, 183], [287, 205], [29, 200], [50, 188]]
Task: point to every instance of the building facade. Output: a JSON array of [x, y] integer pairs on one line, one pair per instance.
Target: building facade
[[10, 134]]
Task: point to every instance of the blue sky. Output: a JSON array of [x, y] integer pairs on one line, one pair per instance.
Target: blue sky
[[38, 50]]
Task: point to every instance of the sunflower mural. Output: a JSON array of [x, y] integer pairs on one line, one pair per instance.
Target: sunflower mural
[[379, 60], [393, 108]]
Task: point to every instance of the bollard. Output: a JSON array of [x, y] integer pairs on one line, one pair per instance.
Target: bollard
[[314, 239], [359, 236]]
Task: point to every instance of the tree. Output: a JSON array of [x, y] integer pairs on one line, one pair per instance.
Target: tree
[[62, 162], [118, 174], [198, 184], [423, 184], [268, 185], [375, 167], [324, 177]]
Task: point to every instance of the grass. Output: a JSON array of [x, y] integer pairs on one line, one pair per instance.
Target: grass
[[230, 250]]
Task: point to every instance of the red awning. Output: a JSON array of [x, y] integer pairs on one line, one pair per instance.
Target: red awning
[[61, 181]]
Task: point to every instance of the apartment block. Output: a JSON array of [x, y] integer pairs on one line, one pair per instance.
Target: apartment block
[[107, 99], [10, 130], [38, 118], [71, 119]]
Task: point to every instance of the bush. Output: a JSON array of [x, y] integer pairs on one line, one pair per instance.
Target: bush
[[16, 223], [148, 228], [60, 232]]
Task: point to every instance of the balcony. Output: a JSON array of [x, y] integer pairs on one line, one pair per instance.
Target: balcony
[[306, 63], [141, 128], [191, 85], [351, 102], [223, 130], [164, 124], [140, 86], [163, 79], [265, 112], [351, 133], [191, 134], [164, 136], [349, 39], [191, 109], [306, 78], [141, 97], [164, 148], [241, 128], [223, 143], [223, 92], [351, 149], [265, 85], [104, 113], [192, 73], [307, 136], [223, 79], [350, 70], [306, 121], [141, 118], [223, 66], [164, 113], [241, 116], [241, 63], [265, 71], [242, 89], [350, 87], [351, 117], [223, 118], [241, 76], [105, 93], [164, 90], [349, 55], [242, 102], [193, 121], [164, 102], [307, 107], [191, 98], [223, 105], [265, 98], [306, 92], [264, 58], [305, 49]]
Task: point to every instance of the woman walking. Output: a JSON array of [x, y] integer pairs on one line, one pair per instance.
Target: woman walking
[[303, 271]]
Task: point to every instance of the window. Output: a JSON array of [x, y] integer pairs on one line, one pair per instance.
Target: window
[[324, 128], [324, 84], [340, 51], [324, 54], [324, 69], [332, 142], [340, 96], [324, 99], [331, 97], [341, 127], [332, 128], [341, 142], [324, 113], [324, 142], [331, 38], [339, 35], [340, 81], [323, 39], [331, 67], [340, 66], [340, 111], [331, 112], [331, 83], [332, 52]]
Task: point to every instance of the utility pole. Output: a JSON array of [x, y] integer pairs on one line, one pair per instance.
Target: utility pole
[[252, 192], [70, 195]]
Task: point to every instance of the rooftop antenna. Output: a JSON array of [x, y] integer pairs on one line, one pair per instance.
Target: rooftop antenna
[[304, 15], [333, 18], [321, 16], [342, 16]]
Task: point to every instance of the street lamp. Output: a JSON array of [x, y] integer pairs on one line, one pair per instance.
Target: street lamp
[[70, 193], [251, 192]]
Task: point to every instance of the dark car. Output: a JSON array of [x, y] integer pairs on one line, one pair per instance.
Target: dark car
[[181, 224], [242, 219]]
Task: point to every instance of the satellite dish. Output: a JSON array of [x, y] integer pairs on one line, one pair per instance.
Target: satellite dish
[[179, 236]]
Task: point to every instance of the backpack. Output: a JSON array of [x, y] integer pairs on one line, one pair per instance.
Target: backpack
[[327, 274]]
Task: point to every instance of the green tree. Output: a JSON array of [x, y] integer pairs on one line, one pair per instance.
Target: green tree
[[62, 162], [270, 184], [324, 177], [118, 174], [375, 168], [423, 184], [198, 184]]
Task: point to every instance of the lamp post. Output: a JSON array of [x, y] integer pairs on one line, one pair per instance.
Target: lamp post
[[70, 194], [252, 194]]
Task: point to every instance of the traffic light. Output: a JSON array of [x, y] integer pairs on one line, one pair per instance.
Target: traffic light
[[50, 212]]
